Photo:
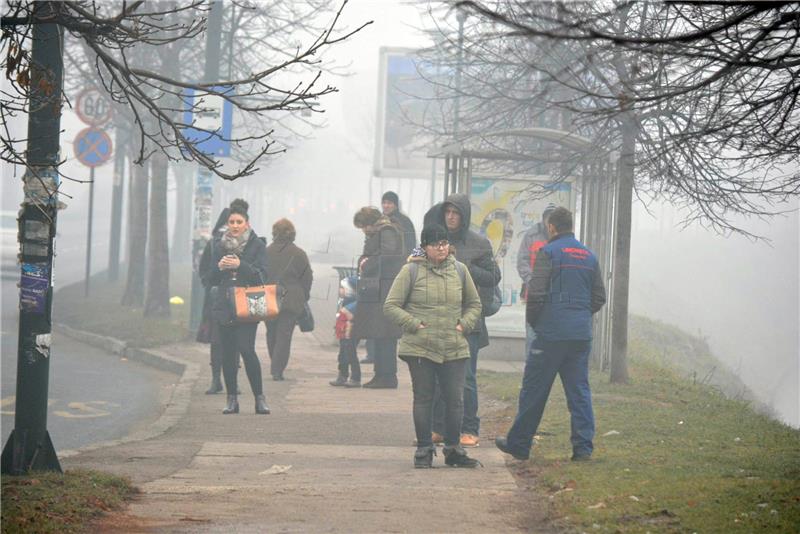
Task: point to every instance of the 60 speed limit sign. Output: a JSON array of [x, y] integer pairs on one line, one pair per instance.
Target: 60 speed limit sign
[[93, 107]]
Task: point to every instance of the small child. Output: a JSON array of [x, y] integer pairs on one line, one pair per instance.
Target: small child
[[348, 359]]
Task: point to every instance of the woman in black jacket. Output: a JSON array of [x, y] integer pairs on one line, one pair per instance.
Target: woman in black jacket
[[209, 329], [240, 259]]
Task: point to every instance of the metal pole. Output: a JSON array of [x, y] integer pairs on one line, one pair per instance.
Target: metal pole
[[89, 235], [29, 446], [204, 187]]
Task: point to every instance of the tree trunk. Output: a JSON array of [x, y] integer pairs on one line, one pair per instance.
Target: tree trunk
[[137, 237], [622, 258], [156, 302], [182, 230]]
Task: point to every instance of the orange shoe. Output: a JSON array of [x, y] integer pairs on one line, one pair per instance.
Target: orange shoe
[[436, 438], [469, 440]]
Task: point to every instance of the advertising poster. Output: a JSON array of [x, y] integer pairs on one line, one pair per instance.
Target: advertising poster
[[406, 100], [503, 209], [33, 287]]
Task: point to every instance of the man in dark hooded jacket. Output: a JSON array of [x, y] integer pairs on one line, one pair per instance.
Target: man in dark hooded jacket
[[474, 251]]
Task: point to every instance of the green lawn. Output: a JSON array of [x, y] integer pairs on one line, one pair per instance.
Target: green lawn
[[671, 455]]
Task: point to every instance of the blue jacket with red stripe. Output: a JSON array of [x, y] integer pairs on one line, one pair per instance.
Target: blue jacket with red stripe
[[566, 288]]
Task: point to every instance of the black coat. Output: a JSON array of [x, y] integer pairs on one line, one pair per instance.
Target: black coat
[[252, 269], [405, 225], [382, 259], [473, 250]]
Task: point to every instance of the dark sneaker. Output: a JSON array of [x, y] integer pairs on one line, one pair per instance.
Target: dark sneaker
[[581, 457], [502, 444], [340, 381], [457, 457], [353, 384], [423, 457], [382, 383]]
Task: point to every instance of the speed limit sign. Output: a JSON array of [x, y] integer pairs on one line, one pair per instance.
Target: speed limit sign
[[93, 107]]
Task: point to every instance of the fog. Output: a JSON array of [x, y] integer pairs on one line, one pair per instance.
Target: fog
[[742, 296]]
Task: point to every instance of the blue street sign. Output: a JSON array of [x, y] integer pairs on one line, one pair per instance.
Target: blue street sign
[[212, 118], [92, 147]]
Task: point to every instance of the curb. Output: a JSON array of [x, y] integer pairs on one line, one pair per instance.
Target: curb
[[175, 407]]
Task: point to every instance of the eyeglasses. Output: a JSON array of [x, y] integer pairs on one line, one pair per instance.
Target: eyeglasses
[[440, 244]]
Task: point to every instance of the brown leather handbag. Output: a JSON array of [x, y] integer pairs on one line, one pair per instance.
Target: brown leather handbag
[[254, 304]]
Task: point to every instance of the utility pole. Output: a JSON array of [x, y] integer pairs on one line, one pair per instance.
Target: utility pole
[[204, 187], [116, 205], [29, 446]]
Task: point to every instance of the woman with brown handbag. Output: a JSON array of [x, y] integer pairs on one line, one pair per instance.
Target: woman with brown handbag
[[240, 260]]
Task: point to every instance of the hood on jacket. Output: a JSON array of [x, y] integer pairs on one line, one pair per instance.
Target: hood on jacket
[[461, 202]]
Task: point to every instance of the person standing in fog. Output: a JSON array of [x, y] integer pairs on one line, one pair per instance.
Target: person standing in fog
[[240, 260], [287, 264], [378, 266], [435, 301], [566, 289], [390, 204], [474, 251], [208, 332], [535, 238]]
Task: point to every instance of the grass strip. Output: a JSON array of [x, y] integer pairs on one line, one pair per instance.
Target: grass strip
[[671, 455], [102, 313], [54, 502]]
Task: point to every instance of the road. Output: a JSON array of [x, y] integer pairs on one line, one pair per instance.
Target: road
[[93, 396]]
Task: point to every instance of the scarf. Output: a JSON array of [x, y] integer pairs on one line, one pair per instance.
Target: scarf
[[234, 245]]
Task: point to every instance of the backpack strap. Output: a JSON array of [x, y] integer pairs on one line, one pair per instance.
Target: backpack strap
[[413, 271]]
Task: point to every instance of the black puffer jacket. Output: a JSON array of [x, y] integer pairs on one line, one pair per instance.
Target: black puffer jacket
[[473, 250]]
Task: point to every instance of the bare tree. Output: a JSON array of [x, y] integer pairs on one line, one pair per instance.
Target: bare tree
[[697, 101]]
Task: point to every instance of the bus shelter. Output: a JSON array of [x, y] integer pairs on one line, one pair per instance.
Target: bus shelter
[[505, 205]]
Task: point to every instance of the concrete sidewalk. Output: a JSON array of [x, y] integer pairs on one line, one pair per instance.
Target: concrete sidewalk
[[326, 460]]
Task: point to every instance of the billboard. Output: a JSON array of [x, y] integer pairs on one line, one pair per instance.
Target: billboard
[[407, 100], [503, 209]]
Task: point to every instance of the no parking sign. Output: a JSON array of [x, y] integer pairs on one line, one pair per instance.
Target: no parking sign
[[92, 147]]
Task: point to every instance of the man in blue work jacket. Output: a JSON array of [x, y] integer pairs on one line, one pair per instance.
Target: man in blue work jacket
[[565, 290]]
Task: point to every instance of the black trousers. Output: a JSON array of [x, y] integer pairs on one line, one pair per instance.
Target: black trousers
[[450, 375], [348, 360], [385, 358], [240, 339], [279, 341]]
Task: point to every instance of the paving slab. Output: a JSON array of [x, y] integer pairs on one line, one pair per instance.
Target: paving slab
[[327, 459]]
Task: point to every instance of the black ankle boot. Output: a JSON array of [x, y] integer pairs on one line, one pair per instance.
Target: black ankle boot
[[423, 457], [232, 406], [261, 405], [457, 457], [216, 383]]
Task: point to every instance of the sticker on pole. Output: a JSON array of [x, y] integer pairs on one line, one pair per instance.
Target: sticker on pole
[[93, 107], [92, 147], [33, 286], [211, 121]]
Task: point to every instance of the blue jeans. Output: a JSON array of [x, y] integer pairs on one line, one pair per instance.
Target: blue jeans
[[570, 360], [470, 423]]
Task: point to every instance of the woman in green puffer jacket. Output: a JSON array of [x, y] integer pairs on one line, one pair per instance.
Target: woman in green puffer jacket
[[434, 300]]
